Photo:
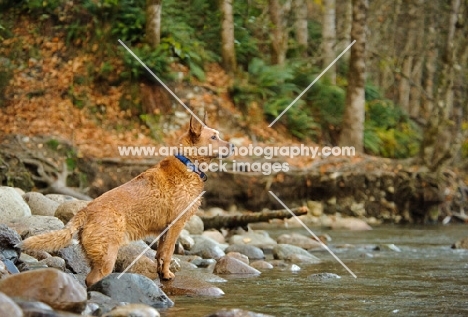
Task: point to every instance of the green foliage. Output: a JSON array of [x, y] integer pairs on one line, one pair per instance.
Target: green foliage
[[156, 60], [389, 131]]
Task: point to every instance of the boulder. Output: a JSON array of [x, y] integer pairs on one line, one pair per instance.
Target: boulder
[[229, 265], [240, 257], [8, 239], [145, 264], [285, 251], [206, 248], [60, 198], [215, 235], [261, 265], [39, 204], [75, 259], [8, 307], [298, 240], [66, 210], [252, 252], [257, 238], [132, 288], [34, 225], [12, 205], [187, 283], [54, 262], [53, 287], [194, 225], [348, 223], [186, 240], [103, 302]]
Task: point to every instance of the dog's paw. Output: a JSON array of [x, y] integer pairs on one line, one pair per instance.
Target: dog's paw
[[168, 276]]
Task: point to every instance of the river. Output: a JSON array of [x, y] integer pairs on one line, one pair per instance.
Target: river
[[424, 278]]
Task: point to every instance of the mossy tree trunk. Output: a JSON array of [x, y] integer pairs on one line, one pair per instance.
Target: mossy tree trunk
[[153, 22], [227, 36]]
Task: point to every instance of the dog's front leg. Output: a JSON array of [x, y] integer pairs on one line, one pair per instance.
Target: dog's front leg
[[165, 251]]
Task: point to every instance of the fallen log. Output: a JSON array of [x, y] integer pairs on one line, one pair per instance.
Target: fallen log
[[231, 222]]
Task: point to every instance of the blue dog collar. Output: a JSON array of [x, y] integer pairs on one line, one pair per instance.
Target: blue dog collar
[[191, 166]]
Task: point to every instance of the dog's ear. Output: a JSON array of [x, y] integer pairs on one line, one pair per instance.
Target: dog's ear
[[195, 127]]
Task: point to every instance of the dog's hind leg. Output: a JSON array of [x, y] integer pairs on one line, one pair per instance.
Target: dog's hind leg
[[101, 253]]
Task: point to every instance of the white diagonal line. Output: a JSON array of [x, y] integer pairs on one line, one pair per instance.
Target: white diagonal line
[[161, 82], [162, 233], [308, 87], [313, 234]]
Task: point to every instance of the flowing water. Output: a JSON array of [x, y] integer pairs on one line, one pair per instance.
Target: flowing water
[[426, 278]]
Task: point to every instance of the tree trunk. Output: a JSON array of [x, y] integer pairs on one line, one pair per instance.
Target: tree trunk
[[329, 39], [279, 11], [300, 25], [344, 13], [228, 52], [353, 120], [153, 22], [441, 139]]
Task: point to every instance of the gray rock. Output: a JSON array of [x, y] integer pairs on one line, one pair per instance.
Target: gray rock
[[12, 205], [133, 310], [8, 307], [261, 265], [132, 288], [145, 265], [186, 240], [60, 198], [33, 225], [194, 225], [252, 252], [236, 313], [215, 235], [199, 262], [206, 248], [54, 262], [39, 204], [323, 276], [104, 303], [298, 240], [187, 283], [66, 210], [75, 259], [302, 259], [228, 265], [25, 258], [8, 239], [285, 251], [257, 238]]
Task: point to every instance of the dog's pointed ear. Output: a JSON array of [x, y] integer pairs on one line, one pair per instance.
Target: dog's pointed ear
[[195, 127]]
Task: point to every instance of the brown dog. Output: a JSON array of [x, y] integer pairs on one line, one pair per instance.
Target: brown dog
[[144, 206]]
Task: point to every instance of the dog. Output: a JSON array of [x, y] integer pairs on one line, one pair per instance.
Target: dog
[[144, 206]]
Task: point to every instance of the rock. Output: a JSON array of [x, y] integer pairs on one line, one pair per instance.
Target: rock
[[215, 235], [60, 198], [185, 283], [57, 289], [40, 205], [206, 248], [252, 252], [236, 313], [228, 265], [285, 251], [461, 244], [294, 268], [186, 240], [12, 205], [315, 208], [194, 225], [66, 210], [29, 266], [302, 259], [358, 209], [238, 256], [8, 239], [132, 288], [30, 308], [299, 240], [3, 271], [25, 258], [54, 262], [261, 265], [8, 307], [323, 276], [75, 259], [34, 225], [145, 264], [199, 262], [257, 238], [133, 310], [349, 224], [215, 211], [38, 254], [388, 247], [104, 303]]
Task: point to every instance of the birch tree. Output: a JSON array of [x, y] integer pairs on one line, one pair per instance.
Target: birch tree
[[153, 22]]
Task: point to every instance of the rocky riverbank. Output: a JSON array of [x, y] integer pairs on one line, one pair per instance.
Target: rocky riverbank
[[52, 284]]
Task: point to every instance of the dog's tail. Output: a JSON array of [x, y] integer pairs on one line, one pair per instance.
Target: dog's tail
[[56, 240]]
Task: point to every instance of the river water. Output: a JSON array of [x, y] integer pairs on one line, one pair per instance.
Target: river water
[[425, 278]]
